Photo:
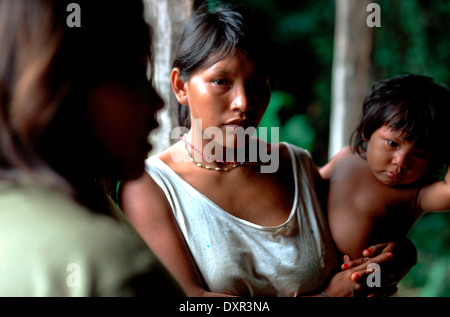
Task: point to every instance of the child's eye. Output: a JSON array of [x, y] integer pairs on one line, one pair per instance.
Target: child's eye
[[392, 143]]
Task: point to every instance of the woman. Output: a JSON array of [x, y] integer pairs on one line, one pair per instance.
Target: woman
[[75, 109], [222, 225]]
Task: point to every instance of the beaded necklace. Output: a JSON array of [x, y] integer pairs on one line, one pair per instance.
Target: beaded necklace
[[232, 166]]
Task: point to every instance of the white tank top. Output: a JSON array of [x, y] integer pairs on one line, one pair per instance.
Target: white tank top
[[238, 257]]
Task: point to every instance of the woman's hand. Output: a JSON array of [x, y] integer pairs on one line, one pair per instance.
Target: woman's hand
[[394, 258], [351, 281]]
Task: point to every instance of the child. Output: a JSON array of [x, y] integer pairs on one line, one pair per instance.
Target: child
[[384, 182]]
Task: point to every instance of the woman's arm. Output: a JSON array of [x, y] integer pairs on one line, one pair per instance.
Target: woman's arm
[[147, 208]]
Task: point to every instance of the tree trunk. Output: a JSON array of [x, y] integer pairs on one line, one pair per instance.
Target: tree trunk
[[353, 41], [167, 18]]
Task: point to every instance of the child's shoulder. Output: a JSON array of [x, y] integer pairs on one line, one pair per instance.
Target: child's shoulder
[[345, 152], [328, 169]]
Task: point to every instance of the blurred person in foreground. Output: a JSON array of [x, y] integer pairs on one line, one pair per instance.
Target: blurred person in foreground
[[76, 109]]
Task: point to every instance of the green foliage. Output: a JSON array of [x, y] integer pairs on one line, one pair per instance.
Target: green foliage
[[431, 275], [414, 39], [304, 32], [296, 130]]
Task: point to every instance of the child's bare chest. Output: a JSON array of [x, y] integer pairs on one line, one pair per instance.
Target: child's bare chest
[[354, 187]]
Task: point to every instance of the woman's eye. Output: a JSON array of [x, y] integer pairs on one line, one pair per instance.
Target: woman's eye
[[220, 82], [392, 143]]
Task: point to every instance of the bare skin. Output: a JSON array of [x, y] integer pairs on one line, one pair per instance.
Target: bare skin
[[378, 199], [231, 88], [160, 230]]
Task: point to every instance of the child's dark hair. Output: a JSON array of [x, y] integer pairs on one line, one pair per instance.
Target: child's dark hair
[[414, 105], [209, 37]]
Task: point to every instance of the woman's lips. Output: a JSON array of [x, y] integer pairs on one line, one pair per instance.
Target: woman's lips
[[237, 123], [234, 126]]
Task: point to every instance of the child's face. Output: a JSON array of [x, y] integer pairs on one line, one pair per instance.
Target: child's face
[[395, 161], [229, 94]]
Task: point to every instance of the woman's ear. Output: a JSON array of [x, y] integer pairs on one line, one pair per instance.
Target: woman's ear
[[179, 87]]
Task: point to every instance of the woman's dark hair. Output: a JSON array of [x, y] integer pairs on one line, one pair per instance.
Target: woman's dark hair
[[47, 70], [209, 37], [414, 105]]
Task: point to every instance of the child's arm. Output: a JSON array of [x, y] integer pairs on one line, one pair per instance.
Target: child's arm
[[436, 196], [327, 170]]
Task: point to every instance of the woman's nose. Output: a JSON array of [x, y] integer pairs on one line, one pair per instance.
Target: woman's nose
[[240, 100]]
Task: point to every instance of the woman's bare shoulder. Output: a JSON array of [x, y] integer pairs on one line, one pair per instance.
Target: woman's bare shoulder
[[174, 155]]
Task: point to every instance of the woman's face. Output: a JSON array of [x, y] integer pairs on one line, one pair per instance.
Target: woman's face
[[230, 94], [122, 117]]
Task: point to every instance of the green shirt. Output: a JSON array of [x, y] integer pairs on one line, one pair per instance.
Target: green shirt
[[52, 246]]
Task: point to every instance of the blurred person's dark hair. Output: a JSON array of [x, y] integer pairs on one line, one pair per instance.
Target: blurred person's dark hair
[[47, 70]]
